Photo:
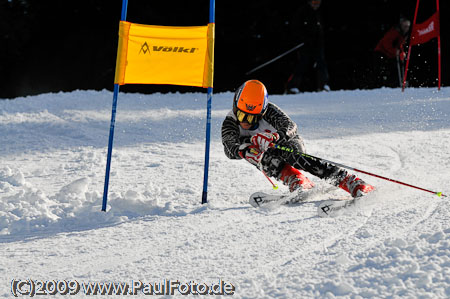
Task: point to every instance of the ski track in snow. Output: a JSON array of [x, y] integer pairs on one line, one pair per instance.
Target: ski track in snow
[[394, 243]]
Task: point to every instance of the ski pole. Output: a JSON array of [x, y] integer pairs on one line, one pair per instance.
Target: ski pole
[[275, 59], [283, 148], [274, 186]]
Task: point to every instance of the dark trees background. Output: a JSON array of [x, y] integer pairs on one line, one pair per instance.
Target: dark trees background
[[55, 45]]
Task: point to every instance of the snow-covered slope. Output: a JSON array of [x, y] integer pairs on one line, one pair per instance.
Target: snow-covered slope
[[52, 167]]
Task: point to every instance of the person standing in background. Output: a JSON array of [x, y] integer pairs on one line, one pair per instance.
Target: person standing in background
[[308, 27], [388, 54]]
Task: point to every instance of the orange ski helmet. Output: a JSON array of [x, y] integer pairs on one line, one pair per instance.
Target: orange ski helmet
[[250, 102]]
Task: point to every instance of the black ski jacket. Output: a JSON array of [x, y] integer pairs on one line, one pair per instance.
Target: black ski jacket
[[234, 138]]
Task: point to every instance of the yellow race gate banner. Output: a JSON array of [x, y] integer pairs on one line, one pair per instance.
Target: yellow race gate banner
[[149, 54]]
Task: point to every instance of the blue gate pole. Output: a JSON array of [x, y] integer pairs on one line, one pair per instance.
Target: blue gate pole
[[208, 137], [113, 121], [208, 120]]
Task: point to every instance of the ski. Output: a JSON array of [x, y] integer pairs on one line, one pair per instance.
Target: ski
[[260, 199], [334, 207], [327, 208]]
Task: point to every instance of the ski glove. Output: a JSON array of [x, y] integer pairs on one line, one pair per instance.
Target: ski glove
[[263, 140], [252, 154]]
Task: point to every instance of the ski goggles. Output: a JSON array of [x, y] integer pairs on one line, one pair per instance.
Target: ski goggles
[[247, 117]]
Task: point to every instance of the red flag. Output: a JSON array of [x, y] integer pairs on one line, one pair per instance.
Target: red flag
[[421, 33]]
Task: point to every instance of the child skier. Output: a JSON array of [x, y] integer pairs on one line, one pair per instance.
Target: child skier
[[254, 125]]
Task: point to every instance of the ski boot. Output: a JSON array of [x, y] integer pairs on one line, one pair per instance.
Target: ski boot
[[355, 186], [294, 179]]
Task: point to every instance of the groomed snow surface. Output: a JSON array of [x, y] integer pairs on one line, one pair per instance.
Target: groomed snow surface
[[396, 243]]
